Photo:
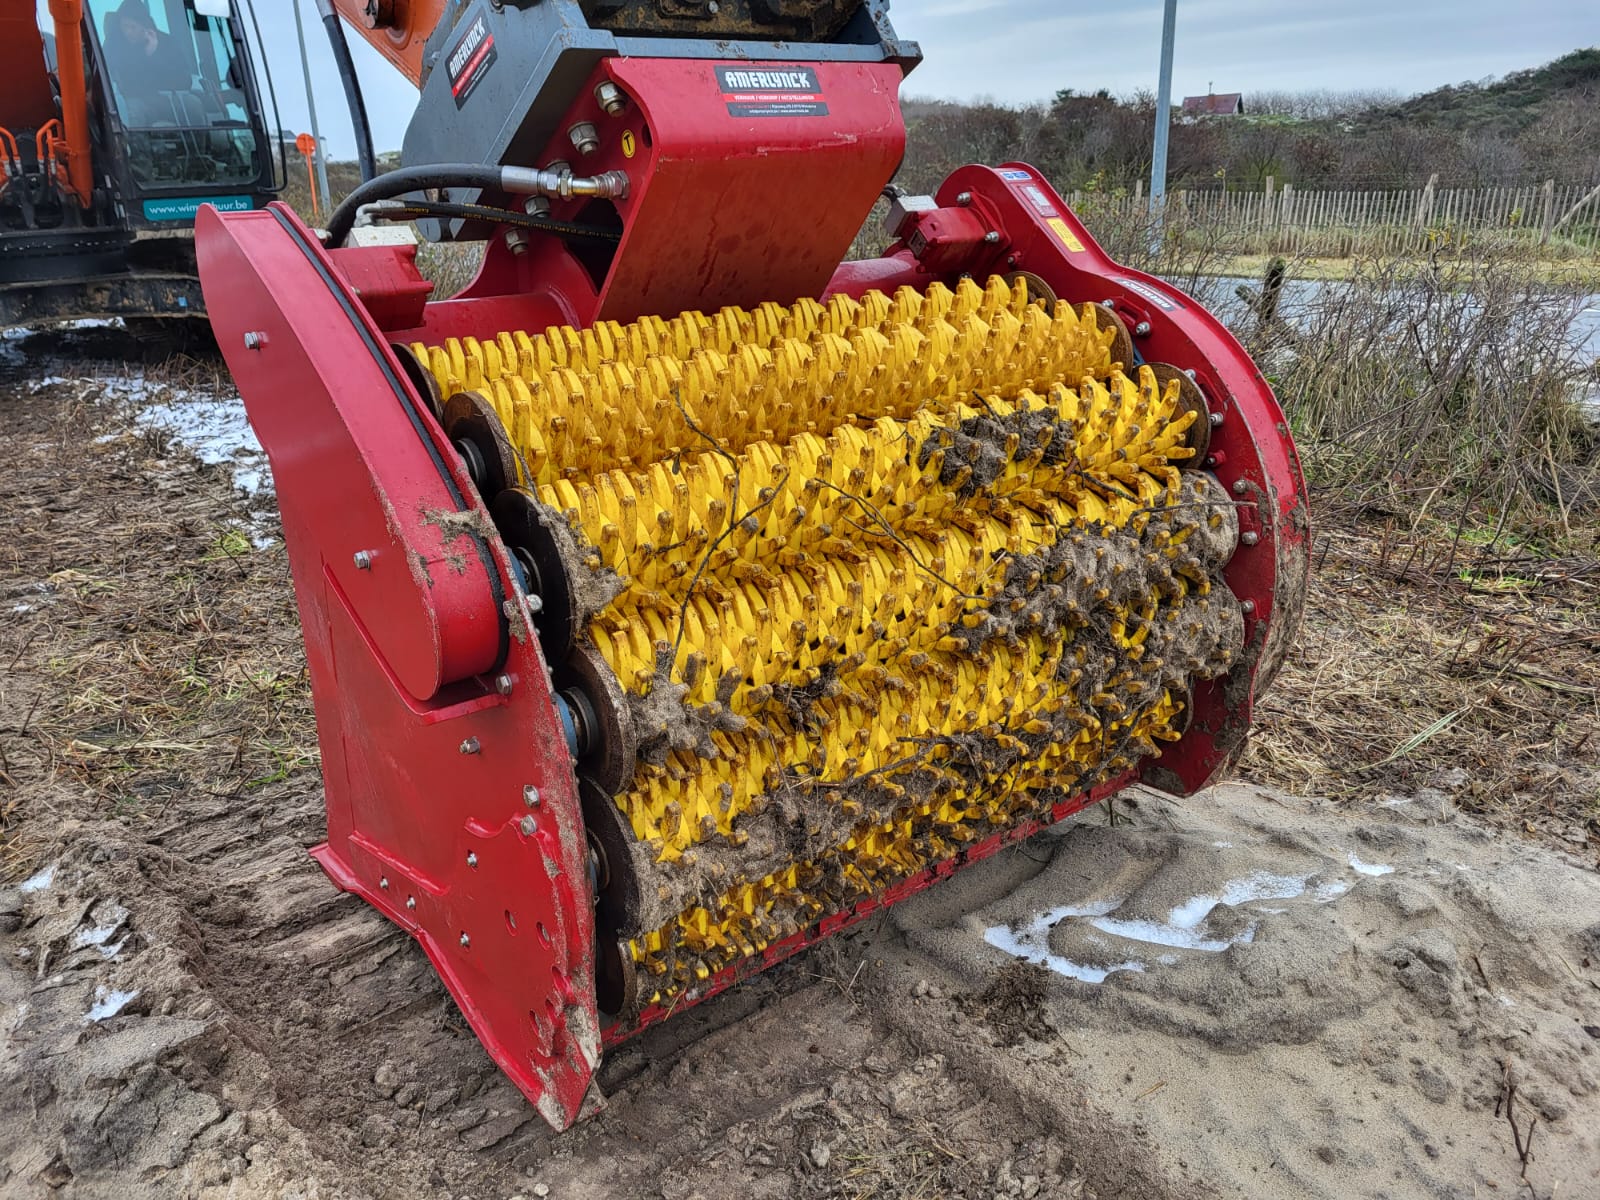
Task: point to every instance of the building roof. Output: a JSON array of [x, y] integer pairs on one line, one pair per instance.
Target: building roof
[[1217, 104]]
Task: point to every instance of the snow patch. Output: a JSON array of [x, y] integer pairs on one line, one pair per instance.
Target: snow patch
[[108, 1003], [1370, 868], [39, 880]]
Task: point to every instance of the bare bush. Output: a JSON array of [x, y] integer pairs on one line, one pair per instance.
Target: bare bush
[[1424, 375]]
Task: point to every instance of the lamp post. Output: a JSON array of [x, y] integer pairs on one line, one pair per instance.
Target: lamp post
[[1158, 158], [311, 104]]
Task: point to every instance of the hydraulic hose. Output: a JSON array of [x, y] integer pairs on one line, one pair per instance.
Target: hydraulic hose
[[352, 89], [407, 179], [521, 181]]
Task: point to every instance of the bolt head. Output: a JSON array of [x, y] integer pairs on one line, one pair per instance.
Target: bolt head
[[465, 941], [1240, 487], [964, 199], [411, 902], [609, 96], [517, 241], [472, 859], [1216, 419], [254, 340], [584, 138], [1249, 537], [363, 560], [504, 684], [535, 603], [530, 796], [383, 883], [528, 825], [471, 746], [992, 238], [1108, 304], [1249, 606], [1142, 329]]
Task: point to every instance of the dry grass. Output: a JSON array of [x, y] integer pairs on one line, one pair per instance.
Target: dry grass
[[1424, 663], [151, 650]]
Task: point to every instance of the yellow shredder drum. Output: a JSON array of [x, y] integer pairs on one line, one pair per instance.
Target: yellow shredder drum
[[877, 578]]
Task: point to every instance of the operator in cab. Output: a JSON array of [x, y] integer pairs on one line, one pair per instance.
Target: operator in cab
[[146, 64]]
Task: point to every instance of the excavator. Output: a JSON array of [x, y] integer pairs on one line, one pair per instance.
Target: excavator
[[680, 594], [118, 120]]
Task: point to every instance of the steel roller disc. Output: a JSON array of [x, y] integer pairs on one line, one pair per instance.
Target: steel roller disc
[[529, 531], [1038, 290], [473, 426], [617, 899], [1190, 399], [616, 980], [609, 754], [1122, 346], [420, 378]]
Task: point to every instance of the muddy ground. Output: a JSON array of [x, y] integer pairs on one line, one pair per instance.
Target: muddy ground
[[1248, 993]]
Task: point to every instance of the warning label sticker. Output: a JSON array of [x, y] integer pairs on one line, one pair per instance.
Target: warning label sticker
[[470, 60], [771, 92], [1064, 231], [1039, 200]]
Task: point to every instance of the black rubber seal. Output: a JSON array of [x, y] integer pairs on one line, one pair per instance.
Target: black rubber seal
[[403, 394]]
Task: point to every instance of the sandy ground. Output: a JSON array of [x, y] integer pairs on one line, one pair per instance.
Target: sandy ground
[[1242, 994]]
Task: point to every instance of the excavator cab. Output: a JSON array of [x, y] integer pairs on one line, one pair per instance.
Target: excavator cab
[[181, 91], [119, 119]]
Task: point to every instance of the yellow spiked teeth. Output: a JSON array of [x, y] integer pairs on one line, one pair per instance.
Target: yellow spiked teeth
[[895, 574]]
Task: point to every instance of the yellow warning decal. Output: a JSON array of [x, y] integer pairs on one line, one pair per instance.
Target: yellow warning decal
[[1064, 232], [628, 143]]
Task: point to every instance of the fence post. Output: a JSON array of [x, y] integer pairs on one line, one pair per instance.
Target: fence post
[[1548, 222], [1425, 203]]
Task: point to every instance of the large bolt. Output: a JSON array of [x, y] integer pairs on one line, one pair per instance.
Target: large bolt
[[530, 796], [610, 97], [537, 206], [254, 340], [470, 746], [504, 684], [964, 199], [528, 825], [584, 137], [517, 241], [363, 560]]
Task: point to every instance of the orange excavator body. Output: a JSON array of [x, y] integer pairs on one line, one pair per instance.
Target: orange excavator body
[[107, 153]]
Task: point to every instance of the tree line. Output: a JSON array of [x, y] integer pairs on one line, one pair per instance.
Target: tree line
[[1533, 125]]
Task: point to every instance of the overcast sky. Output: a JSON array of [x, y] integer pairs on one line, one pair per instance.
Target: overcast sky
[[1016, 51]]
